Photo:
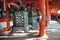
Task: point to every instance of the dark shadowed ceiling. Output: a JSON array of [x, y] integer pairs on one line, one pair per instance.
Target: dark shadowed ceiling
[[55, 3]]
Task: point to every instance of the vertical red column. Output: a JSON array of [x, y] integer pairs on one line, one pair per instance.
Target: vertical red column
[[42, 24], [47, 13], [7, 19], [6, 4]]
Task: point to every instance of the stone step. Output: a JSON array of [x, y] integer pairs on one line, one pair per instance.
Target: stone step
[[14, 37]]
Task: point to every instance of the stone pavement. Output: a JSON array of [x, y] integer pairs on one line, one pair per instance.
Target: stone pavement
[[53, 32]]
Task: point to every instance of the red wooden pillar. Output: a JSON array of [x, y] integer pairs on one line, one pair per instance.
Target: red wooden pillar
[[42, 24], [47, 13], [7, 15]]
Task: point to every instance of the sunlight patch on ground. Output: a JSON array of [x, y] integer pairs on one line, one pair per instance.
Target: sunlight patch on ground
[[52, 30]]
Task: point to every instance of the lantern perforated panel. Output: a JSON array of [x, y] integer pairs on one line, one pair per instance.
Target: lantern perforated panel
[[19, 19]]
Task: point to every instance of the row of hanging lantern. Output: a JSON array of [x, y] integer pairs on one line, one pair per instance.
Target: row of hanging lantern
[[30, 14], [32, 17]]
